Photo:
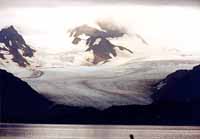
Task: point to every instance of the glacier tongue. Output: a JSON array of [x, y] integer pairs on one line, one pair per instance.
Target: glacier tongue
[[105, 86]]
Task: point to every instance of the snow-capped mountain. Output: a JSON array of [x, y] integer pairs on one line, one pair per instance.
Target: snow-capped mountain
[[98, 40], [101, 56], [122, 78], [100, 64], [106, 43], [13, 47]]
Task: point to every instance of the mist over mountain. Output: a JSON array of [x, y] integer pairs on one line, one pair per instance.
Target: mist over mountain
[[13, 44]]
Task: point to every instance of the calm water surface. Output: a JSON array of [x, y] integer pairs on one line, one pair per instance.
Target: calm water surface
[[38, 131]]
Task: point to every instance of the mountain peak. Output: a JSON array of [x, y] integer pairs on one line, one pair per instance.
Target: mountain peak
[[12, 43], [99, 40]]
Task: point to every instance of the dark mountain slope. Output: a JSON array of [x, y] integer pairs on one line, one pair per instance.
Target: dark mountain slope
[[182, 86], [19, 101]]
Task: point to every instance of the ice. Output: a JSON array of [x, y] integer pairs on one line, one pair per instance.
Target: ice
[[105, 86]]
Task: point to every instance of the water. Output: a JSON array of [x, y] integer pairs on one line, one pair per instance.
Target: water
[[30, 131]]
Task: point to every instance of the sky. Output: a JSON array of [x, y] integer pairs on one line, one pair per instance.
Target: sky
[[160, 22], [53, 3]]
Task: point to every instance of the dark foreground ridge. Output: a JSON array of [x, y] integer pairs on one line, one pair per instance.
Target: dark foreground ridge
[[13, 44], [20, 103], [176, 102]]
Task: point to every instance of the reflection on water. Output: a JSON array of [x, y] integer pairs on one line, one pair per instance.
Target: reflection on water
[[15, 131]]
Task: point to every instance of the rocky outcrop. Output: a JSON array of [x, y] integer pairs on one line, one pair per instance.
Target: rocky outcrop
[[12, 43]]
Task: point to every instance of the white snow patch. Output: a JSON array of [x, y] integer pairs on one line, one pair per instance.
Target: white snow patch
[[2, 45], [10, 42], [97, 41], [160, 85]]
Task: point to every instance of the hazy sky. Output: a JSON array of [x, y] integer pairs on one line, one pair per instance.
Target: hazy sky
[[50, 3]]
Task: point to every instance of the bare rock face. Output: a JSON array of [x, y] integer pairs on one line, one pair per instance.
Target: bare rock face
[[98, 40], [12, 43]]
